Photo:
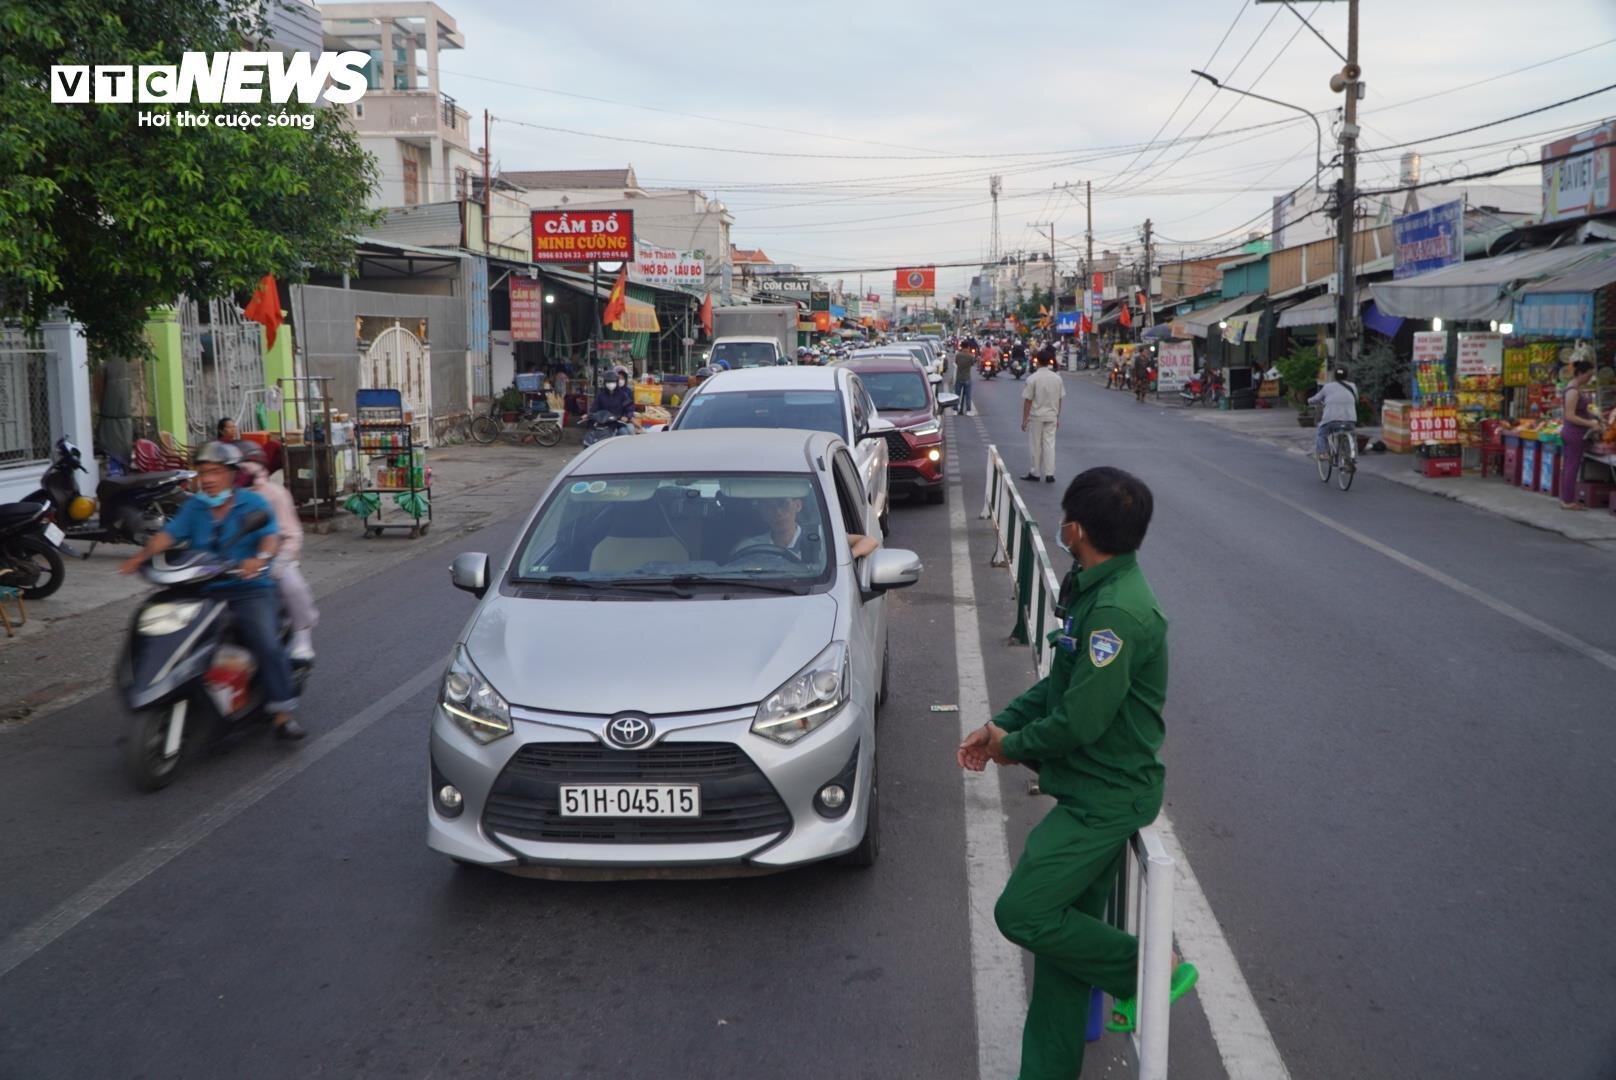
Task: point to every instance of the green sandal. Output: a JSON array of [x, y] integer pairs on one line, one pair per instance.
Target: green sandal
[[1122, 1012]]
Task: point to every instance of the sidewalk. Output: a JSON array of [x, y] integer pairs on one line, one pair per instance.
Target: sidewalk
[[67, 648], [1278, 427]]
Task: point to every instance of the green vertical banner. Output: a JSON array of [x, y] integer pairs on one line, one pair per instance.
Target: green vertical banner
[[278, 366], [168, 370]]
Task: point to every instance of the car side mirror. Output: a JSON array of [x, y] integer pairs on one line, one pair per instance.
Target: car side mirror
[[469, 572], [878, 427], [893, 568]]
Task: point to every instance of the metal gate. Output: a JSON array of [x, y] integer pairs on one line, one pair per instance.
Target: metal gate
[[224, 366], [398, 360]]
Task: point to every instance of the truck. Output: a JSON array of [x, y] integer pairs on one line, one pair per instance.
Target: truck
[[754, 335]]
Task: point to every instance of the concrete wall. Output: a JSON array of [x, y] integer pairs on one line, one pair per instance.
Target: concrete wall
[[329, 330], [68, 397]]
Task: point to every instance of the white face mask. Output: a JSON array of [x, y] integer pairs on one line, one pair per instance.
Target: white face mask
[[1060, 538], [611, 386]]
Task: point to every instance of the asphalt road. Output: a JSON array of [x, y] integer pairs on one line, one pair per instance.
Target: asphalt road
[[1395, 796]]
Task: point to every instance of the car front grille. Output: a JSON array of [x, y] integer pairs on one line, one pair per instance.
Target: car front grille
[[737, 800], [898, 448]]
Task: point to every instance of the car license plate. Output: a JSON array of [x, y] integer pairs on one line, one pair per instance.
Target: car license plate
[[630, 800], [54, 535]]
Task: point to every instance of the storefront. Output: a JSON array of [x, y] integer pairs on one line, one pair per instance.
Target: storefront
[[1491, 371]]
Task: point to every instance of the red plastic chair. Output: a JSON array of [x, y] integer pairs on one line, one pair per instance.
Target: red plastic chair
[[1492, 445]]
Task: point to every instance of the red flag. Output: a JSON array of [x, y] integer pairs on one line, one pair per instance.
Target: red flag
[[617, 300], [265, 307], [1126, 319], [707, 315], [1088, 326]]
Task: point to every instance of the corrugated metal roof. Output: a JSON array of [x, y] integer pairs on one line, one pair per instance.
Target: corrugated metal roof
[[563, 179]]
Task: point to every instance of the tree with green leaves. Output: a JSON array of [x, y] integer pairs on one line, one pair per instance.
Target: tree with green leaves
[[107, 218]]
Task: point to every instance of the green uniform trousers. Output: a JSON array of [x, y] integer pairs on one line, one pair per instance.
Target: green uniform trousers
[[1054, 907]]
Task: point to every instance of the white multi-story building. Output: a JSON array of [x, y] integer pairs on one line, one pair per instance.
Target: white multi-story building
[[421, 138]]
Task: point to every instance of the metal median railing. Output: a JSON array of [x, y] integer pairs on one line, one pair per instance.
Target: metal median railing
[[1143, 901]]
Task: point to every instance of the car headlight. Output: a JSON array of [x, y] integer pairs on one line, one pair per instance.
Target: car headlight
[[931, 428], [156, 620], [474, 706], [807, 699]]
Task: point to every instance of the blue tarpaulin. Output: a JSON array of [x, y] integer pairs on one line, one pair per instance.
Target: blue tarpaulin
[[1380, 322]]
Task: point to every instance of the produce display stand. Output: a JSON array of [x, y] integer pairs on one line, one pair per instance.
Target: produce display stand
[[311, 465], [389, 465]]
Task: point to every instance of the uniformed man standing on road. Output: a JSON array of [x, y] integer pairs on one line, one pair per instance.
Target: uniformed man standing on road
[[1040, 416], [1092, 729]]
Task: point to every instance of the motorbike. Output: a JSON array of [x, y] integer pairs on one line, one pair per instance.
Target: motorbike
[[1201, 390], [603, 425], [1117, 377], [31, 549], [1018, 367], [183, 673], [126, 509], [988, 367]]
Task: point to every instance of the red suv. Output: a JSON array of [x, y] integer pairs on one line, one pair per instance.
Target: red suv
[[903, 394]]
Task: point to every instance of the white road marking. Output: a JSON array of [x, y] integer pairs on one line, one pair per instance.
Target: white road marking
[[997, 982], [1245, 1045], [1509, 611], [1244, 1042], [92, 898]]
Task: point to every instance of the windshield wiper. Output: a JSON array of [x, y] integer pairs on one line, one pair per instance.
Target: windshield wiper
[[655, 587], [745, 583]]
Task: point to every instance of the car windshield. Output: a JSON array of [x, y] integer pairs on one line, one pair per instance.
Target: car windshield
[[804, 410], [896, 391], [739, 354], [639, 529]]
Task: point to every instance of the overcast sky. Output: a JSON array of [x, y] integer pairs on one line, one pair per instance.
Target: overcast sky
[[902, 110]]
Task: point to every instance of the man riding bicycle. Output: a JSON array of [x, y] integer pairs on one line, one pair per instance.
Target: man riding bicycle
[[1340, 400]]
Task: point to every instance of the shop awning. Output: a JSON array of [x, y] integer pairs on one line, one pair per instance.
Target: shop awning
[[1319, 311], [1479, 290], [638, 318], [1594, 271], [1242, 327], [1157, 332], [1199, 322], [1562, 305]]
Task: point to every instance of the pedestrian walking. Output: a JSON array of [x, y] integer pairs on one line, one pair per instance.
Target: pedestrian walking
[[964, 365], [1041, 400], [1581, 420], [1092, 729]]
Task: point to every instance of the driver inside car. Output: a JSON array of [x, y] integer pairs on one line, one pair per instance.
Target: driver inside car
[[784, 531]]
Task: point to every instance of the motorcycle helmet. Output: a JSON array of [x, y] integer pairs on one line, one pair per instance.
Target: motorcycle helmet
[[219, 453], [80, 508]]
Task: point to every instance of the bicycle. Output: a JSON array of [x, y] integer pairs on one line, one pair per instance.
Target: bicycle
[[1342, 458], [542, 428]]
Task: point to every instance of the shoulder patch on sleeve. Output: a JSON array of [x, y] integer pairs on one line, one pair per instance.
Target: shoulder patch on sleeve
[[1104, 647]]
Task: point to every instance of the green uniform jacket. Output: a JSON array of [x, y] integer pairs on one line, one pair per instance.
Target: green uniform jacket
[[1094, 724]]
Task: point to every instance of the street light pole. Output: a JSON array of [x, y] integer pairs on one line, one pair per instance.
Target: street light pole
[[1318, 131]]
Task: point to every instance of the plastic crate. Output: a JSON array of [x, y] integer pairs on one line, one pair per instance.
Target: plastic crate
[[1548, 469], [1594, 493], [1435, 467]]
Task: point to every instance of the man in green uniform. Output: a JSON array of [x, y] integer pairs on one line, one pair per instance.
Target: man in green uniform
[[1092, 729]]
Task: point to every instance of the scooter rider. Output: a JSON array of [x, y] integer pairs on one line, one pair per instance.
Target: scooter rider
[[614, 398], [287, 570], [212, 520]]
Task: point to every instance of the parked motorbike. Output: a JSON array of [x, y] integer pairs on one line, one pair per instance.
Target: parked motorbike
[[31, 549], [126, 509], [603, 425], [183, 673], [1201, 390]]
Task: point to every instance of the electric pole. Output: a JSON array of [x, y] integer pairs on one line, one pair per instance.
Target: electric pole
[[1148, 305], [1346, 315], [1040, 226]]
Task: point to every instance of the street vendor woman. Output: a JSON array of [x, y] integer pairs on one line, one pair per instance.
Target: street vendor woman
[[1092, 729]]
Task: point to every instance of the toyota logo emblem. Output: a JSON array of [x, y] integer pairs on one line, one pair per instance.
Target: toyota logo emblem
[[629, 730]]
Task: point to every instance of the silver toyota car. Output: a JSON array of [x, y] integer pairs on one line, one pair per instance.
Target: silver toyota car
[[676, 668]]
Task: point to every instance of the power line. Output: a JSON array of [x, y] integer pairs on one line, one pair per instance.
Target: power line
[[1505, 120]]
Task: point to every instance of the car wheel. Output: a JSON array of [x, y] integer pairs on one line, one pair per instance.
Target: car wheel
[[869, 848]]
